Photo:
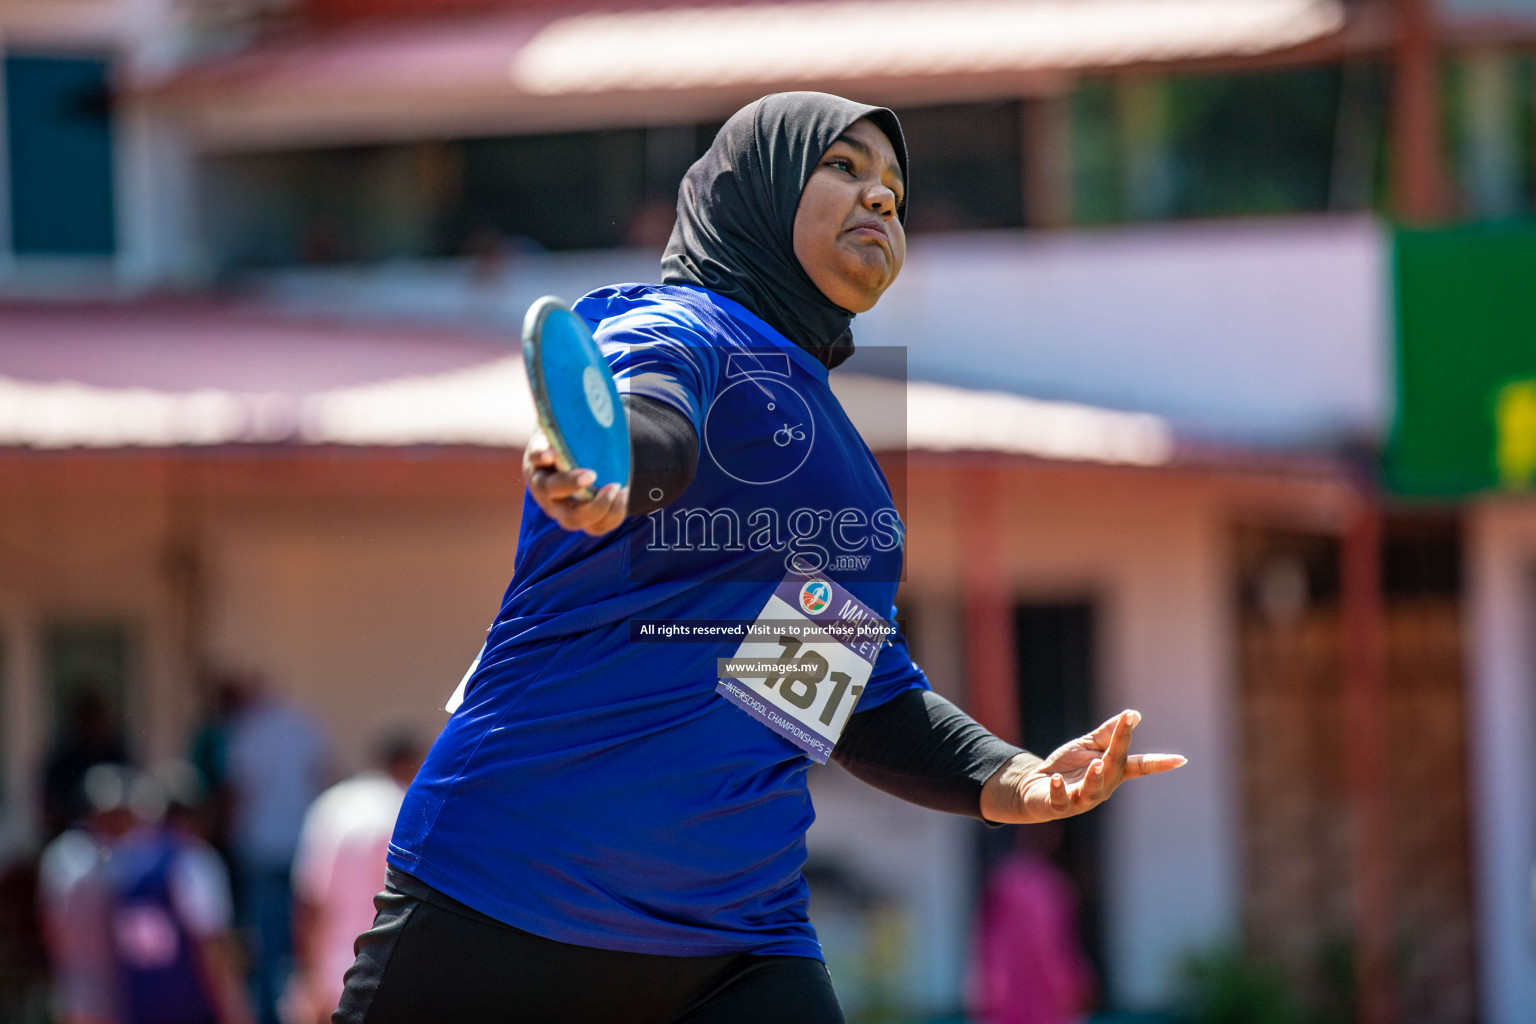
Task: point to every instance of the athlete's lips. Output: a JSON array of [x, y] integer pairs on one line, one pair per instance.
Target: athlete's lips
[[871, 229]]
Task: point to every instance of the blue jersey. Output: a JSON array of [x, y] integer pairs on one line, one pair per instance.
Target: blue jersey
[[594, 787]]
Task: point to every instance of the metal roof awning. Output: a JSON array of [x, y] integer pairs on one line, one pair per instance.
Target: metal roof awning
[[150, 376], [555, 69]]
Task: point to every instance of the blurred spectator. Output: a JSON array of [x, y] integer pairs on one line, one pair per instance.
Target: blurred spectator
[[171, 913], [23, 960], [209, 754], [73, 901], [339, 868], [88, 738], [1028, 964], [276, 763]]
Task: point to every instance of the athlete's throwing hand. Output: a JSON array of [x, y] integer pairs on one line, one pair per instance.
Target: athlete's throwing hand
[[1077, 776], [558, 493]]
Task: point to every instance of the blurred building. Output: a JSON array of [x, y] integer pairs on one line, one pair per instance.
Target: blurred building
[[1221, 405]]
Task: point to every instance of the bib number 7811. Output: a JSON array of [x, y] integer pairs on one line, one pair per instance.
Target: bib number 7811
[[803, 666], [801, 679]]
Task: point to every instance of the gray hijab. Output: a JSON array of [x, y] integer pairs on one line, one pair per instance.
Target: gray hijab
[[736, 214]]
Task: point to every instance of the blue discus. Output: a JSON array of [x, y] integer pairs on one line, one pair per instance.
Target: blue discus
[[574, 394]]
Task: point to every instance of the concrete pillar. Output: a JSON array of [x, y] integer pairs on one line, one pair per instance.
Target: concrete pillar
[[1365, 712], [1501, 753], [991, 669], [1419, 186], [25, 722]]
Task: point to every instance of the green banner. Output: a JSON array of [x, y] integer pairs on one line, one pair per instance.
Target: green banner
[[1466, 361]]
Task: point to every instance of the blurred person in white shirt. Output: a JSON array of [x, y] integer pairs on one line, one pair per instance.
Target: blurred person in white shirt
[[338, 869], [73, 900], [276, 761]]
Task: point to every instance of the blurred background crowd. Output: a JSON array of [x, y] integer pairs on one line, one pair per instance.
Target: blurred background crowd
[[225, 887], [1214, 344]]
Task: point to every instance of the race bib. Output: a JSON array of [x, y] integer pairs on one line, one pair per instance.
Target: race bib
[[805, 662]]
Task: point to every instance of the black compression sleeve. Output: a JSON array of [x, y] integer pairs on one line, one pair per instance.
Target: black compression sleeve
[[663, 453], [925, 750]]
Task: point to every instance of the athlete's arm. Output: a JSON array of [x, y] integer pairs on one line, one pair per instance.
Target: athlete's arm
[[663, 453], [921, 748], [925, 750], [664, 456]]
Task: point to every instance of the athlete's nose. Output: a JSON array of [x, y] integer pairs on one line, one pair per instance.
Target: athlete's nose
[[881, 199]]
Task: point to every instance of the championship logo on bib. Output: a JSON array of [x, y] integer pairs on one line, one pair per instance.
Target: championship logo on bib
[[802, 677], [815, 596]]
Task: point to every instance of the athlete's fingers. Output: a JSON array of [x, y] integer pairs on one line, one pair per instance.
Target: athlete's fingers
[[582, 511], [553, 485], [538, 454], [1138, 765], [1093, 784], [600, 509], [605, 511], [1120, 739], [1059, 799], [1100, 737]]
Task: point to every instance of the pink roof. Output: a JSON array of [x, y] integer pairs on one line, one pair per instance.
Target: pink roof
[[173, 374], [187, 346], [161, 375], [608, 64]]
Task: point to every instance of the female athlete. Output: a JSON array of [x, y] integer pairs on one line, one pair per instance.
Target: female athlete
[[611, 829]]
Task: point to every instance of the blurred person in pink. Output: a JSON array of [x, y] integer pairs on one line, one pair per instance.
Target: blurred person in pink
[[1028, 965], [339, 867]]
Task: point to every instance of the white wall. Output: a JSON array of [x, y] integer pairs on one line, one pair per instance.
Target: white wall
[[1501, 745], [1268, 330], [366, 611], [1271, 331]]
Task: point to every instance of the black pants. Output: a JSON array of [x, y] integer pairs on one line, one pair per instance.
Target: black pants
[[430, 959]]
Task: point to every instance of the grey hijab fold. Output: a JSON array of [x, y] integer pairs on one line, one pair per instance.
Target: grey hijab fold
[[736, 214]]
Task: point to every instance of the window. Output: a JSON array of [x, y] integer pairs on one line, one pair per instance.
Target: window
[[1487, 98], [87, 674], [58, 123], [966, 166], [1228, 145], [573, 190], [87, 664]]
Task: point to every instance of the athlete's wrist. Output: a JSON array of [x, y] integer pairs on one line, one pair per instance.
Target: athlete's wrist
[[1003, 794]]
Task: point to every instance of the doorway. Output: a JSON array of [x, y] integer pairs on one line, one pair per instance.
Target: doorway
[[1055, 646]]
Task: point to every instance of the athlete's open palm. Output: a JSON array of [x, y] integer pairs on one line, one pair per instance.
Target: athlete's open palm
[[1077, 776]]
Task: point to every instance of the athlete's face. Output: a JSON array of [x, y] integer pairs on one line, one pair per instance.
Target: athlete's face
[[847, 236]]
